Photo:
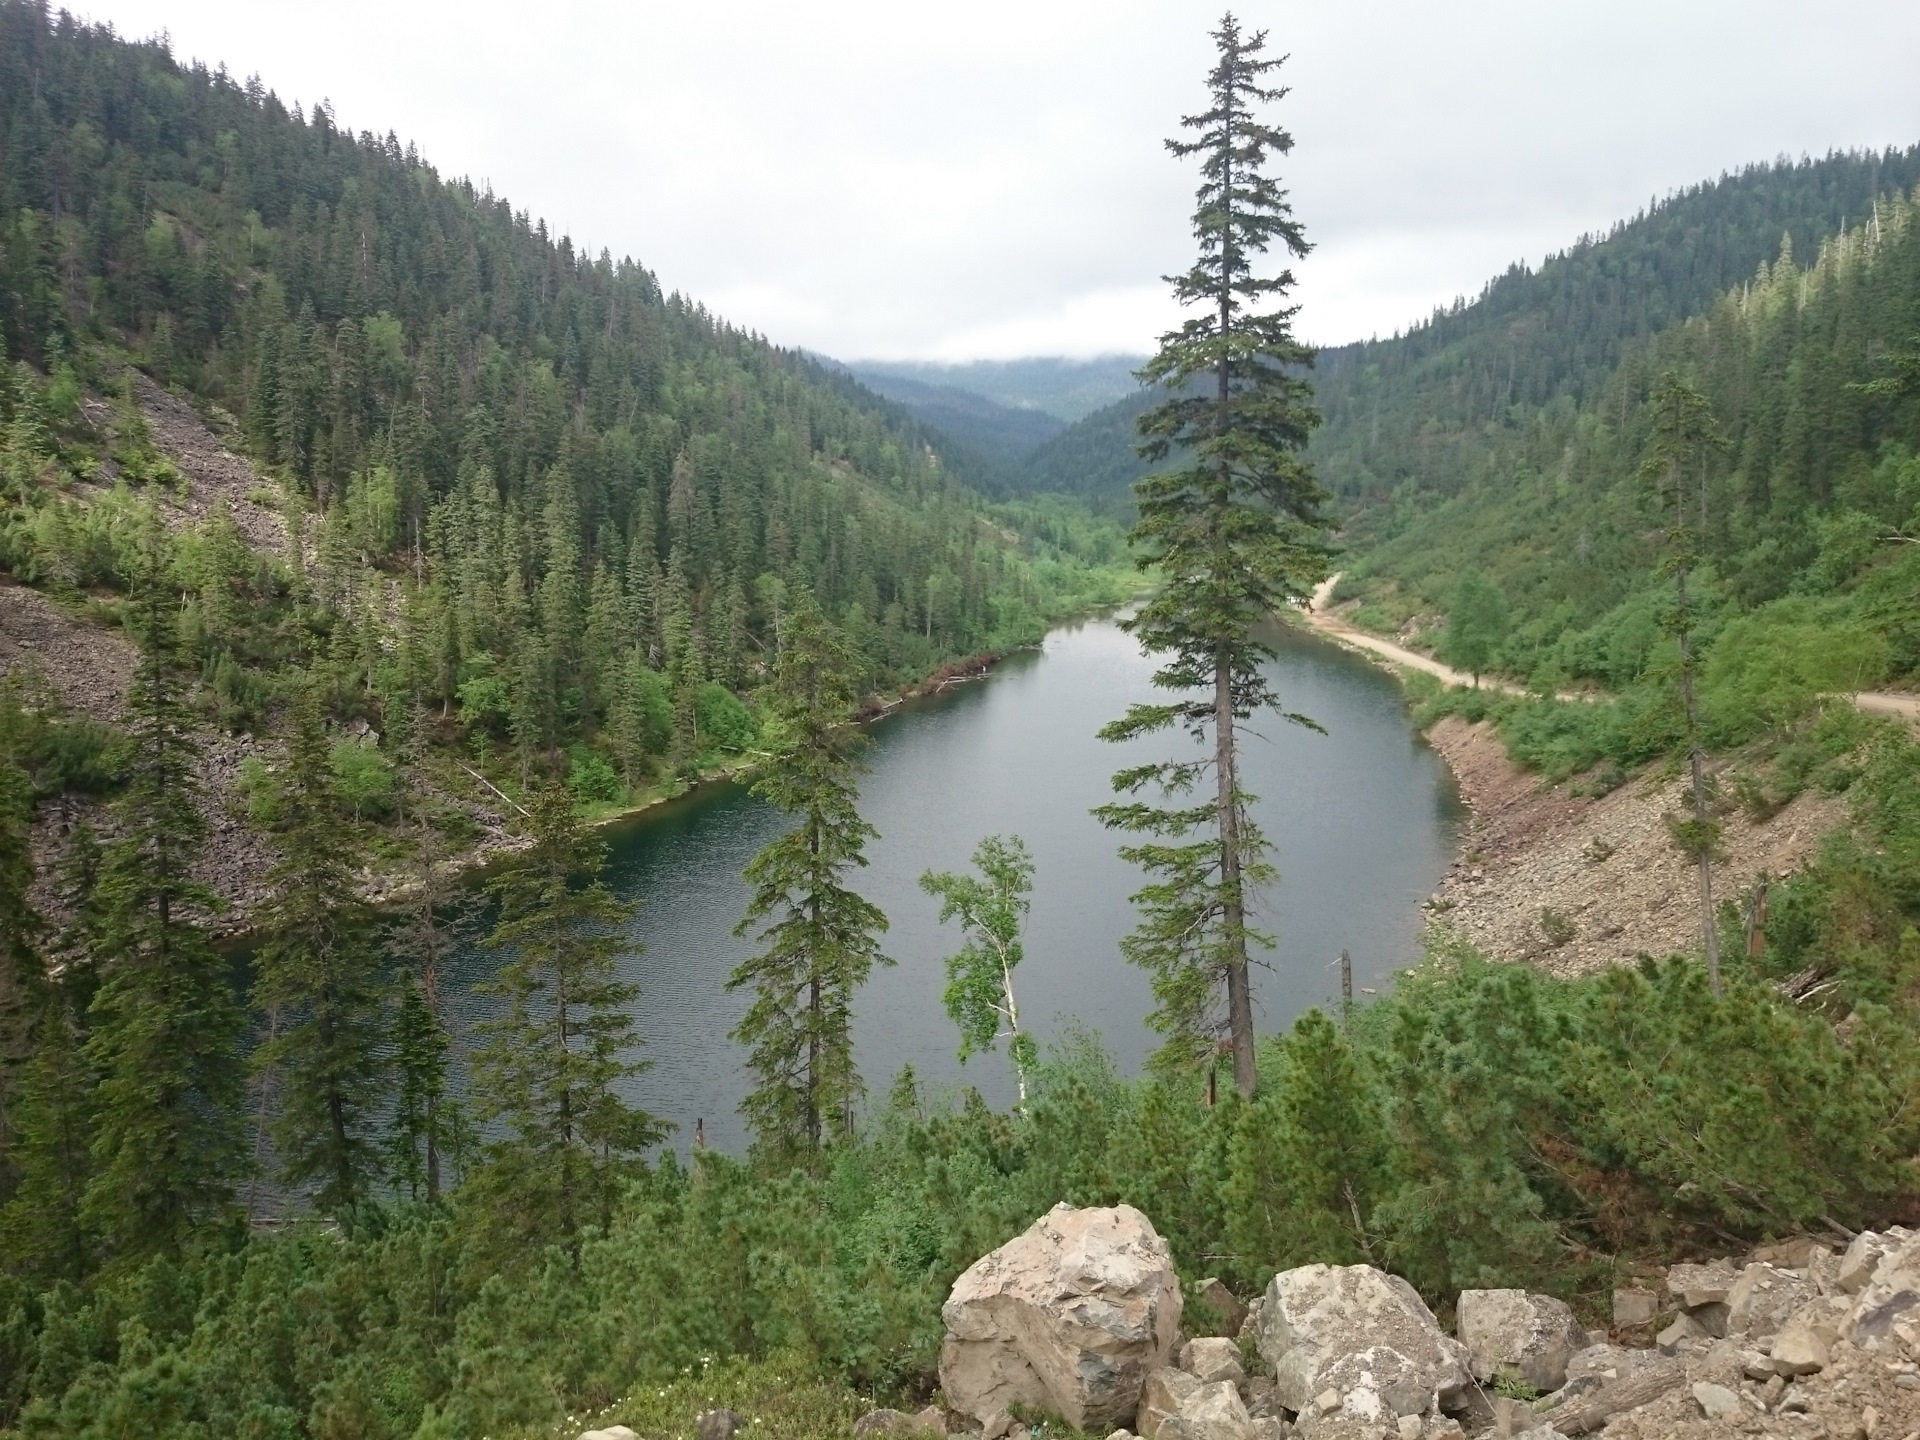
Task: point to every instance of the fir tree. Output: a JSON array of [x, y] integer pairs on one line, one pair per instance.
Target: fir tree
[[318, 973], [1232, 531], [1683, 438], [165, 1023], [42, 1232], [818, 939], [992, 909], [548, 1073], [23, 975]]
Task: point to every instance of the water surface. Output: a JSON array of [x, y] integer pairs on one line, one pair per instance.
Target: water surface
[[1363, 819]]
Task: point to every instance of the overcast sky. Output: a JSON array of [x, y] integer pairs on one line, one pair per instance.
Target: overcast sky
[[962, 179]]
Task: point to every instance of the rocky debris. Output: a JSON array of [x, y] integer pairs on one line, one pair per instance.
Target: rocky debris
[[88, 667], [1165, 1391], [1764, 1298], [1209, 1360], [213, 472], [1315, 1318], [1070, 1318], [1512, 1332], [1607, 864], [1356, 1355]]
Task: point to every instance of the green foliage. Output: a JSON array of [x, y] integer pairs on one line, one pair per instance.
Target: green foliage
[[723, 722], [1476, 624], [546, 1076], [362, 778], [991, 908], [165, 1023], [819, 939], [591, 779], [323, 1060]]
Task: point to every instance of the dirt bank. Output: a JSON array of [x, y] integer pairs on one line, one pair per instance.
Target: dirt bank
[[1607, 866]]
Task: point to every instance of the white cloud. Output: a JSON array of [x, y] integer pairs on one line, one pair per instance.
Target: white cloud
[[968, 177]]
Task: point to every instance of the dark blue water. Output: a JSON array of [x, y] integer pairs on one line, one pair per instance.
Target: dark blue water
[[1363, 819]]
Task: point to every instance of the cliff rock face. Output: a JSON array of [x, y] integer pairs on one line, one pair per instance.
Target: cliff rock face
[[1069, 1318]]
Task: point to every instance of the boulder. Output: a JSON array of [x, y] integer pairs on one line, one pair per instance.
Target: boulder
[[1215, 1412], [1887, 1298], [1213, 1359], [1533, 1336], [1862, 1257], [1797, 1350], [717, 1425], [1214, 1294], [1764, 1298], [1070, 1318], [1705, 1284], [1716, 1402], [1313, 1317], [1379, 1385], [1160, 1400], [1634, 1308], [1682, 1329], [612, 1432]]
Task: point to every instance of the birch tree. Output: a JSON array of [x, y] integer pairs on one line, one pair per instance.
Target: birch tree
[[992, 910]]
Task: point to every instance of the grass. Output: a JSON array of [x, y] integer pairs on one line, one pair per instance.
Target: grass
[[776, 1400]]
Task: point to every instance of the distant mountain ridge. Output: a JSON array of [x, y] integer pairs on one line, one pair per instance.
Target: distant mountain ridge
[[1067, 389]]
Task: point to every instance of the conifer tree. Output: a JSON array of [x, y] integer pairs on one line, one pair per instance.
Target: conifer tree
[[319, 974], [992, 910], [548, 1073], [818, 939], [1233, 531], [165, 1022], [51, 1119], [23, 976], [1683, 438]]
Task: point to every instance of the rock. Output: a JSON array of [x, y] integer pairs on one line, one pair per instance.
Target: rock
[[1123, 1435], [717, 1425], [1224, 1303], [1798, 1351], [1683, 1329], [1705, 1284], [1069, 1317], [996, 1424], [1379, 1384], [1795, 1253], [1160, 1399], [1211, 1359], [1215, 1412], [1633, 1308], [1857, 1265], [1533, 1336], [1885, 1300], [1716, 1402], [1763, 1298], [1267, 1427], [1755, 1365], [612, 1432], [1712, 1318], [1313, 1317]]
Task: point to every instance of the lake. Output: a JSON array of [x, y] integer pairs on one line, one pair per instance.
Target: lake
[[1363, 819]]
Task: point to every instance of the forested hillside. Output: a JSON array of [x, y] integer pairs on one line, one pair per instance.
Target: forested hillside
[[572, 495], [1805, 515], [1003, 434], [1415, 407]]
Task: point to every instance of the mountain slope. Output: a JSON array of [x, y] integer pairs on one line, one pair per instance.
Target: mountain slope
[[1068, 390], [1415, 407], [527, 478]]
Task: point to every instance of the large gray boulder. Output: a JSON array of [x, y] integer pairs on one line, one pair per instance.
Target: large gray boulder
[[1531, 1336], [1314, 1318], [1891, 1297], [1069, 1318]]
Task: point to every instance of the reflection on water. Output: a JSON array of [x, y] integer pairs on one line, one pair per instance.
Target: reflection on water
[[1362, 818]]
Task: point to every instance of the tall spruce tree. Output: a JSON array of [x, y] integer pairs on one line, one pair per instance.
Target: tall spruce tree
[[547, 1074], [1233, 528], [1680, 446], [818, 939], [165, 1022], [23, 977], [319, 974]]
